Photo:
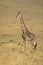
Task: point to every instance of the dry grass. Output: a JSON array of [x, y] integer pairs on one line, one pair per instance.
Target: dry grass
[[10, 32]]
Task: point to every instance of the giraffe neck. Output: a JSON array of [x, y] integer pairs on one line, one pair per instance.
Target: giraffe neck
[[23, 27]]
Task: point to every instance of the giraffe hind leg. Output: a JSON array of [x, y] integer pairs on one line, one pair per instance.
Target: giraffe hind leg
[[35, 46]]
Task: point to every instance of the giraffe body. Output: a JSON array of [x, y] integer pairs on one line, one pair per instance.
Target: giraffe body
[[26, 34]]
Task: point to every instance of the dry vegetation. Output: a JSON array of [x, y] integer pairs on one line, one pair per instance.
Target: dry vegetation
[[10, 32]]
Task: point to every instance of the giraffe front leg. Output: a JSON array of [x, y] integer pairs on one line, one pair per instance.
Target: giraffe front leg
[[24, 42], [24, 45]]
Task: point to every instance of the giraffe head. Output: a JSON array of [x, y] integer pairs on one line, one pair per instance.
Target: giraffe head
[[18, 14]]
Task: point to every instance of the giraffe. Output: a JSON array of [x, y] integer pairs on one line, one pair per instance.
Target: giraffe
[[26, 34]]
